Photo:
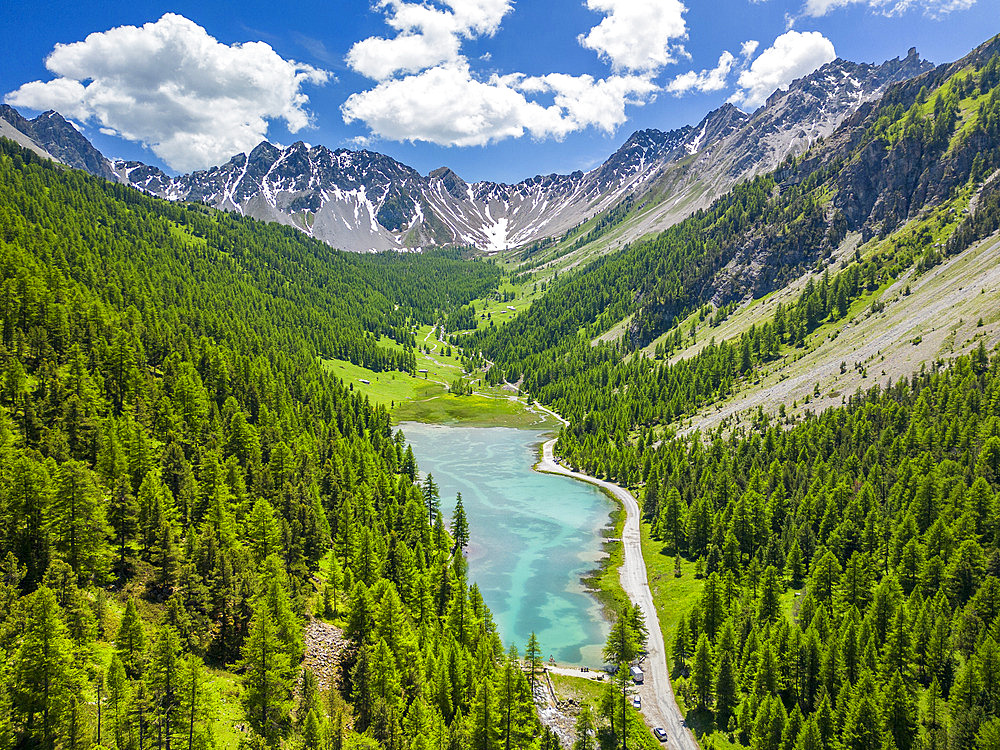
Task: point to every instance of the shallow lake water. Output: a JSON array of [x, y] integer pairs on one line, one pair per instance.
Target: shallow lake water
[[532, 536]]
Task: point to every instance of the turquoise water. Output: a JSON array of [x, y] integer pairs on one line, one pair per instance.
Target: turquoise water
[[532, 536]]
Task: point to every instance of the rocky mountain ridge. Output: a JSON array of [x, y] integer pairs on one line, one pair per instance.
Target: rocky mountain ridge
[[366, 201]]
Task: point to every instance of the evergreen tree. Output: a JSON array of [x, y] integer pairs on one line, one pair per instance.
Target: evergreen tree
[[623, 646], [899, 713], [130, 642], [483, 718], [725, 687], [584, 730], [118, 709], [79, 529], [268, 675], [532, 659], [163, 677]]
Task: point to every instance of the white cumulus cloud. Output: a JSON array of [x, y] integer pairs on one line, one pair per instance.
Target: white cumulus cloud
[[933, 8], [171, 86], [447, 105], [425, 35], [426, 89], [638, 35], [748, 48], [707, 80], [793, 55]]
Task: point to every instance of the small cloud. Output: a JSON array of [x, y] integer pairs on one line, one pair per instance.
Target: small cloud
[[707, 80], [317, 49], [748, 48]]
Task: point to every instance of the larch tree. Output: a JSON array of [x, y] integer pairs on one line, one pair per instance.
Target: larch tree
[[47, 685], [130, 642], [532, 659], [460, 526], [702, 672]]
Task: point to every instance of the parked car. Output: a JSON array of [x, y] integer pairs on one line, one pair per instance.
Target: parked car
[[660, 733], [637, 701]]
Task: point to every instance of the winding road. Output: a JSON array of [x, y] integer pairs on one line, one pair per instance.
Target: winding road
[[659, 707]]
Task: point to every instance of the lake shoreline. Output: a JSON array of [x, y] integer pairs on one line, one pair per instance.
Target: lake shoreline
[[603, 581]]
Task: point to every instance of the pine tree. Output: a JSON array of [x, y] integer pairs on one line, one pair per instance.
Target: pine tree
[[533, 660], [863, 725], [651, 496], [681, 647], [79, 529], [712, 607], [809, 737], [123, 516], [163, 677], [331, 594], [268, 675], [483, 718], [899, 712], [725, 688], [130, 642], [263, 532], [584, 731], [118, 709], [432, 497], [769, 606], [623, 646]]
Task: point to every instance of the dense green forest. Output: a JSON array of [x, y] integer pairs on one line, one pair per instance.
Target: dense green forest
[[850, 561], [182, 486], [884, 516]]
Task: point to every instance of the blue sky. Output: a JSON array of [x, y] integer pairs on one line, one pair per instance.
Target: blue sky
[[495, 89]]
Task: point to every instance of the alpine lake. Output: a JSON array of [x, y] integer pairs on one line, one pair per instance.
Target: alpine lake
[[533, 536]]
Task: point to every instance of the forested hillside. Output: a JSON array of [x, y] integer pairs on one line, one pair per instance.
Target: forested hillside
[[849, 561], [883, 515], [182, 485]]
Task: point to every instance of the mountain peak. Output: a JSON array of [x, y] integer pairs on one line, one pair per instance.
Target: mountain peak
[[58, 137]]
